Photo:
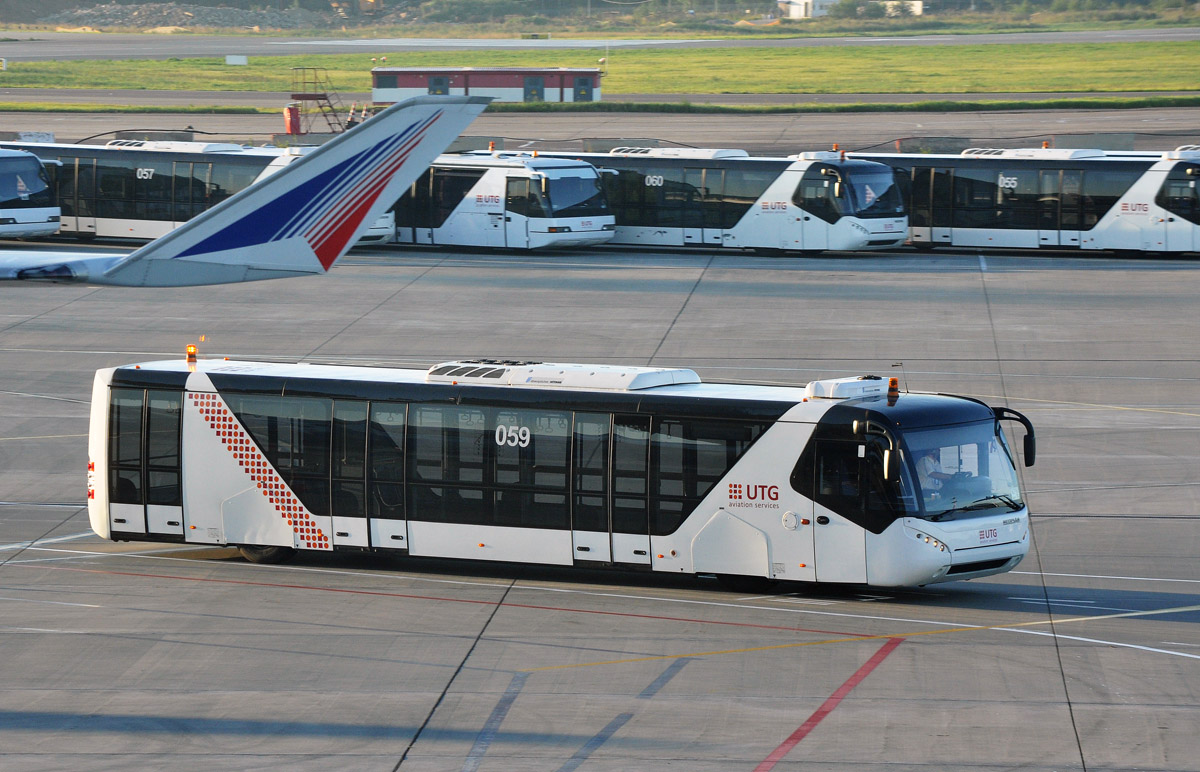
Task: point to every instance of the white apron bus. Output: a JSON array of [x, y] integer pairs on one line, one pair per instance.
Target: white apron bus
[[844, 480], [1052, 198], [505, 200], [137, 189], [694, 197], [27, 205]]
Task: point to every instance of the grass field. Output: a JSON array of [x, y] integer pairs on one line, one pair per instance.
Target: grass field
[[1164, 66]]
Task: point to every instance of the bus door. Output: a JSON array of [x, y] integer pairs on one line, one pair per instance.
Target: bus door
[[387, 523], [1179, 196], [630, 488], [77, 195], [347, 489], [590, 532], [145, 496], [712, 193], [839, 544], [190, 196], [1049, 201], [941, 210], [1070, 216], [414, 212], [686, 196], [521, 201], [920, 205]]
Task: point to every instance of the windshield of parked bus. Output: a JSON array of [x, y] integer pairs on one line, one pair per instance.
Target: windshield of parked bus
[[962, 471], [576, 196], [875, 193], [23, 183]]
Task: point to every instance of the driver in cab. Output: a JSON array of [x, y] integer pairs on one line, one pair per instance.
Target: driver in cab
[[929, 470]]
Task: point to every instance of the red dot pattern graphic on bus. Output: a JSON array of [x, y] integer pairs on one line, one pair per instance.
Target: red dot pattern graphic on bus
[[237, 441]]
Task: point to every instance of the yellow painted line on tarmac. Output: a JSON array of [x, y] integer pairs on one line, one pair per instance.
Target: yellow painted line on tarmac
[[884, 636], [41, 437]]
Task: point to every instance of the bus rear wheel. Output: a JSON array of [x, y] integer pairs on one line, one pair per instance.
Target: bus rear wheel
[[267, 554]]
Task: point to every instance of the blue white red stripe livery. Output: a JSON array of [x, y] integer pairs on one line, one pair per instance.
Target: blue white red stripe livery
[[296, 222]]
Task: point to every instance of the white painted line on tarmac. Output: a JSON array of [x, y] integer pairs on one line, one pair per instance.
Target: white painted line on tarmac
[[51, 602], [45, 396], [563, 590], [1041, 600], [41, 437], [1117, 644], [20, 545], [734, 605], [1177, 643], [1073, 604], [1105, 576], [82, 554]]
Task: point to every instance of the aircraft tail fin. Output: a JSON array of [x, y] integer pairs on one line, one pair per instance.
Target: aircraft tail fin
[[302, 219]]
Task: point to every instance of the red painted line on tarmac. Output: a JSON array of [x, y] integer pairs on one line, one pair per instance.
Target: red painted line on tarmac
[[827, 707], [440, 599]]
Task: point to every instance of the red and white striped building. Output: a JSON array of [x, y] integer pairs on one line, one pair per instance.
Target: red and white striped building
[[504, 84]]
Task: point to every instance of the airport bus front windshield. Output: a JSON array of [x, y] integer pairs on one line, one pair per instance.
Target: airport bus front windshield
[[960, 471], [576, 196], [875, 193], [23, 184]]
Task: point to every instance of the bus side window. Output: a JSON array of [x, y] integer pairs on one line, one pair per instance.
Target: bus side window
[[816, 194], [1178, 194], [837, 476], [516, 198]]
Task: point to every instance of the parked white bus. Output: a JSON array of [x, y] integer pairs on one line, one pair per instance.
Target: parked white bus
[[509, 200], [812, 202], [1051, 198], [135, 189], [843, 480], [27, 205]]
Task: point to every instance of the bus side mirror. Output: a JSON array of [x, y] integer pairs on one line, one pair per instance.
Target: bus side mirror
[[1030, 445]]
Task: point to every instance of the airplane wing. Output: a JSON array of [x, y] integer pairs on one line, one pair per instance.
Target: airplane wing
[[297, 222]]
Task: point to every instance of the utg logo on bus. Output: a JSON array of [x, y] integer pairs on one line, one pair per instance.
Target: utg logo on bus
[[750, 495]]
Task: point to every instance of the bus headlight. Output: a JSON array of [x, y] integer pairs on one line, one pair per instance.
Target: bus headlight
[[932, 542], [559, 229]]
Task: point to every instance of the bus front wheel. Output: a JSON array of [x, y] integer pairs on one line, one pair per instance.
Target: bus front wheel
[[267, 554]]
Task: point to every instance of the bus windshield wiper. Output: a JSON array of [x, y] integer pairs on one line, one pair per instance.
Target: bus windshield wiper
[[984, 503]]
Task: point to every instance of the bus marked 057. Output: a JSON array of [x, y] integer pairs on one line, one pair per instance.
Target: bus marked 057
[[845, 480], [136, 189]]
